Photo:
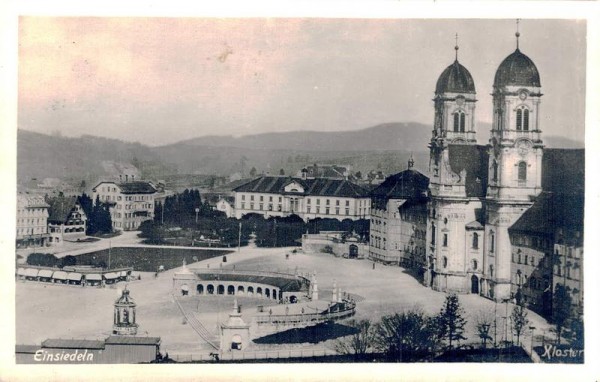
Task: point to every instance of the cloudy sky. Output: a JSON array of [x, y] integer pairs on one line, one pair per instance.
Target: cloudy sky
[[162, 80]]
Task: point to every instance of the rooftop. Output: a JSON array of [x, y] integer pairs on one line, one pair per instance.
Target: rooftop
[[313, 187], [60, 208], [408, 184], [455, 79]]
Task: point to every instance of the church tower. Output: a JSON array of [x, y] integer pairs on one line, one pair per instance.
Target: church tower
[[515, 163], [454, 120], [456, 185]]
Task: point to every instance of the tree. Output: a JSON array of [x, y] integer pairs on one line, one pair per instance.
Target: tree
[[562, 308], [407, 336], [87, 204], [253, 171], [99, 219], [577, 333], [519, 320], [359, 343], [451, 320], [484, 321]]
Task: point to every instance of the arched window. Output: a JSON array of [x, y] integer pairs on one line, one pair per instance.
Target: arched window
[[459, 122], [522, 119], [474, 264], [491, 271], [475, 240], [492, 239], [522, 173], [432, 234], [445, 262]]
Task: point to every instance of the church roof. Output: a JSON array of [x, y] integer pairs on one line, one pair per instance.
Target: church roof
[[313, 187], [474, 160], [455, 79], [408, 184], [517, 70], [551, 212], [563, 171]]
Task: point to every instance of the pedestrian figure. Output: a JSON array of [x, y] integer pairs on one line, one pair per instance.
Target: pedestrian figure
[[373, 265]]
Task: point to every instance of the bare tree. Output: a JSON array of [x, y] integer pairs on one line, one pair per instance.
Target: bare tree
[[484, 319], [406, 337], [519, 320], [359, 343]]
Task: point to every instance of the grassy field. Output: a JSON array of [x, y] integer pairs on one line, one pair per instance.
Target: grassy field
[[147, 259]]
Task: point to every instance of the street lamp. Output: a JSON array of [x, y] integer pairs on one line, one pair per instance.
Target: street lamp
[[197, 210], [240, 237]]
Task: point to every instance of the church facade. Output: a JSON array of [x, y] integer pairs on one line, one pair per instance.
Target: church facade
[[476, 193]]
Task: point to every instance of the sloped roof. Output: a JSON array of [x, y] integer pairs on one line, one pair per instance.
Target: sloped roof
[[137, 188], [473, 159], [31, 201], [60, 208], [408, 184], [122, 340], [563, 170], [60, 343], [551, 212], [313, 187]]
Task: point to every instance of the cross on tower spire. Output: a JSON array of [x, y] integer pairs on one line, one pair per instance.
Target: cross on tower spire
[[456, 46], [517, 34]]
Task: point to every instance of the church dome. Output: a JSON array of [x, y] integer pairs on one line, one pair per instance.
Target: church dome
[[517, 70], [455, 79]]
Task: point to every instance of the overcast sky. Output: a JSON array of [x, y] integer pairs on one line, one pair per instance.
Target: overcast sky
[[158, 81]]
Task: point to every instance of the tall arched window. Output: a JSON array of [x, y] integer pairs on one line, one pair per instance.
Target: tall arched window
[[432, 234], [492, 243], [522, 119], [459, 122], [522, 173]]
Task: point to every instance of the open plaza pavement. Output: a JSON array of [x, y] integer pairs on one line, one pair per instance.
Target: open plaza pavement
[[46, 310]]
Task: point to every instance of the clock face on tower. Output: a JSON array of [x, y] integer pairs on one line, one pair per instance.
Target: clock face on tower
[[523, 95], [523, 147]]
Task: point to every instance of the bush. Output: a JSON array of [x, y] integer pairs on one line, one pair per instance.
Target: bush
[[43, 260]]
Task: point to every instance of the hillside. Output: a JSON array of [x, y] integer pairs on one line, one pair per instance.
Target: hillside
[[385, 147], [389, 136], [49, 156]]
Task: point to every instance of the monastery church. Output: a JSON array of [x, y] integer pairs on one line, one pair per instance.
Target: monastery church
[[475, 193]]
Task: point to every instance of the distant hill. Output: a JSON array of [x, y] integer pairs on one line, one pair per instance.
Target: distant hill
[[43, 156], [388, 136], [384, 147]]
